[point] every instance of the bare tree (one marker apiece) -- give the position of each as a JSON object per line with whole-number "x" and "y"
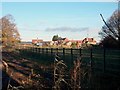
{"x": 10, "y": 34}
{"x": 111, "y": 29}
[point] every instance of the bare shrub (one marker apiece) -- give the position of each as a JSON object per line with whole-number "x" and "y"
{"x": 59, "y": 74}
{"x": 80, "y": 75}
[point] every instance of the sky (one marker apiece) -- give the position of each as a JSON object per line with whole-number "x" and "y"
{"x": 43, "y": 20}
{"x": 59, "y": 0}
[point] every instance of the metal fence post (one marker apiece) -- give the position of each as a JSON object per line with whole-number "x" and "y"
{"x": 42, "y": 50}
{"x": 80, "y": 52}
{"x": 38, "y": 50}
{"x": 51, "y": 53}
{"x": 46, "y": 50}
{"x": 32, "y": 49}
{"x": 104, "y": 60}
{"x": 57, "y": 51}
{"x": 64, "y": 53}
{"x": 91, "y": 57}
{"x": 71, "y": 54}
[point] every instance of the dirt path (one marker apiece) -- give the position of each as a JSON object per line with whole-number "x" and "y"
{"x": 20, "y": 70}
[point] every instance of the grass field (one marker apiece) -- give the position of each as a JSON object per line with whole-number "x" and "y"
{"x": 99, "y": 58}
{"x": 105, "y": 65}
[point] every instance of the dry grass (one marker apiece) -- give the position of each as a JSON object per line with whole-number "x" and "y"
{"x": 59, "y": 73}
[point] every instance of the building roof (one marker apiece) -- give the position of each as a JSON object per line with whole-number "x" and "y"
{"x": 89, "y": 40}
{"x": 36, "y": 40}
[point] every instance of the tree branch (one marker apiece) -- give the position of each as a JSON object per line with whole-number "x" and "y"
{"x": 108, "y": 26}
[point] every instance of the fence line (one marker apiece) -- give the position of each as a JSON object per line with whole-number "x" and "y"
{"x": 98, "y": 58}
